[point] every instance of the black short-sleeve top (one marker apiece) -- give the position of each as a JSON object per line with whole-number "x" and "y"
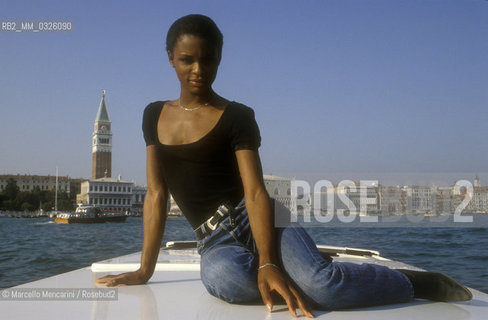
{"x": 204, "y": 174}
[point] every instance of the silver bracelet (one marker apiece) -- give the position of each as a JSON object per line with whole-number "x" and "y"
{"x": 269, "y": 264}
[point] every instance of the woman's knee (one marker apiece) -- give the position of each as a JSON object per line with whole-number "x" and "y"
{"x": 229, "y": 273}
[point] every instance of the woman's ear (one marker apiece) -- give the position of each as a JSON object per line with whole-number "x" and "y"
{"x": 171, "y": 58}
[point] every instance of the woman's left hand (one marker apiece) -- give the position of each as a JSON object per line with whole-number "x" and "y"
{"x": 270, "y": 278}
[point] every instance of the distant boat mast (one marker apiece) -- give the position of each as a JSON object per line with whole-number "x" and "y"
{"x": 56, "y": 192}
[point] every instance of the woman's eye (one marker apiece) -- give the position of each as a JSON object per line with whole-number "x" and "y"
{"x": 208, "y": 60}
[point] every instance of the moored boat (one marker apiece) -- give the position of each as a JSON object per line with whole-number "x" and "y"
{"x": 90, "y": 214}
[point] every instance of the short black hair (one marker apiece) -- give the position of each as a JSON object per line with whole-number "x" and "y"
{"x": 197, "y": 25}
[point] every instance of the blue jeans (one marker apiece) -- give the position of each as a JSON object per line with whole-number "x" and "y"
{"x": 229, "y": 263}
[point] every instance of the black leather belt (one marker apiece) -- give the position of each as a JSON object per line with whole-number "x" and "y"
{"x": 213, "y": 222}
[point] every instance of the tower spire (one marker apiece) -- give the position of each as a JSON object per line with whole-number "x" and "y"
{"x": 102, "y": 114}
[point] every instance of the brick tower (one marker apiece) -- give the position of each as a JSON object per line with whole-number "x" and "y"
{"x": 102, "y": 143}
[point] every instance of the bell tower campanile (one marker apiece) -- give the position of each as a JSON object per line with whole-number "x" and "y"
{"x": 102, "y": 143}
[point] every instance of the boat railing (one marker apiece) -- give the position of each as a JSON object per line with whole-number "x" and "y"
{"x": 329, "y": 250}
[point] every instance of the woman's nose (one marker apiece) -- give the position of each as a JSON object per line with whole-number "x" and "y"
{"x": 197, "y": 68}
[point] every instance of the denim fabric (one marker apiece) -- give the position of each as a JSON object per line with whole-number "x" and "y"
{"x": 229, "y": 265}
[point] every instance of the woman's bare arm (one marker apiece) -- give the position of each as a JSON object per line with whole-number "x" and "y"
{"x": 154, "y": 219}
{"x": 261, "y": 219}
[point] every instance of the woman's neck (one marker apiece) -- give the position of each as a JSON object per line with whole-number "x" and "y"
{"x": 191, "y": 99}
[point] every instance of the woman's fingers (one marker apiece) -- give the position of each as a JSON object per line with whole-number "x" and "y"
{"x": 285, "y": 293}
{"x": 109, "y": 276}
{"x": 266, "y": 296}
{"x": 105, "y": 278}
{"x": 109, "y": 281}
{"x": 120, "y": 279}
{"x": 302, "y": 304}
{"x": 115, "y": 282}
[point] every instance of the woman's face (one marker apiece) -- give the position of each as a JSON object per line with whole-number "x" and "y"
{"x": 195, "y": 63}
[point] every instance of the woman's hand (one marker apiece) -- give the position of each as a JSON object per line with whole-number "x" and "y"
{"x": 270, "y": 278}
{"x": 127, "y": 278}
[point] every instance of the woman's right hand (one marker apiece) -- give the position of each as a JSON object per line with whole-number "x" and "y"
{"x": 126, "y": 278}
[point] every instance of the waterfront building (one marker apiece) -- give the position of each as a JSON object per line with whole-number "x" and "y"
{"x": 137, "y": 201}
{"x": 479, "y": 200}
{"x": 102, "y": 143}
{"x": 420, "y": 199}
{"x": 107, "y": 193}
{"x": 392, "y": 200}
{"x": 279, "y": 188}
{"x": 443, "y": 200}
{"x": 365, "y": 198}
{"x": 29, "y": 182}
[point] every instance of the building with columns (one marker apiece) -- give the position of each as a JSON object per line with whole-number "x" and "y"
{"x": 107, "y": 193}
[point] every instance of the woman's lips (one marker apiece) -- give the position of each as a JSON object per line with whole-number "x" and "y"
{"x": 197, "y": 83}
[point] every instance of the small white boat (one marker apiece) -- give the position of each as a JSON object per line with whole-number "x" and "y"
{"x": 175, "y": 291}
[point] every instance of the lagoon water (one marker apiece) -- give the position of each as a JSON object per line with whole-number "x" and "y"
{"x": 32, "y": 249}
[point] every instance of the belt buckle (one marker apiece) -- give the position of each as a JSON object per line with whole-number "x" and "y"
{"x": 212, "y": 226}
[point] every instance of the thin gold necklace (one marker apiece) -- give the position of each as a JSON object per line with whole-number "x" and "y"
{"x": 191, "y": 109}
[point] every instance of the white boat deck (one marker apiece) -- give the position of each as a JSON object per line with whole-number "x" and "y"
{"x": 176, "y": 292}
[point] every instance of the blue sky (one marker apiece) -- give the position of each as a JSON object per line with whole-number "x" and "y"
{"x": 337, "y": 86}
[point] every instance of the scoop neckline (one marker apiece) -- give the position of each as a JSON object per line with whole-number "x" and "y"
{"x": 196, "y": 141}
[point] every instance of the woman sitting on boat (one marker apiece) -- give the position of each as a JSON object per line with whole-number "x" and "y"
{"x": 204, "y": 149}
